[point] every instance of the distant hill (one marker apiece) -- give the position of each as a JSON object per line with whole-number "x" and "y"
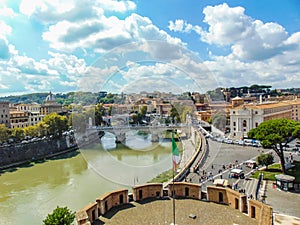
{"x": 26, "y": 98}
{"x": 83, "y": 98}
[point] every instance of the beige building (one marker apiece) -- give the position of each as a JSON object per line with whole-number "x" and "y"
{"x": 4, "y": 114}
{"x": 19, "y": 119}
{"x": 34, "y": 115}
{"x": 245, "y": 117}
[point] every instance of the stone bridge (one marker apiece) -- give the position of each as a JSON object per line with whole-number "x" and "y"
{"x": 155, "y": 131}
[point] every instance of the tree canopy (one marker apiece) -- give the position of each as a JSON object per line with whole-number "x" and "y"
{"x": 275, "y": 134}
{"x": 55, "y": 124}
{"x": 265, "y": 159}
{"x": 60, "y": 216}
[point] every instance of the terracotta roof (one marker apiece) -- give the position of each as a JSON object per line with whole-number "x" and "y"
{"x": 263, "y": 105}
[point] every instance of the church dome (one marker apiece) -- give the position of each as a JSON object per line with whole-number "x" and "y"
{"x": 50, "y": 97}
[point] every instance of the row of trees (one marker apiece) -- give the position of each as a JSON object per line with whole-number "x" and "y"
{"x": 52, "y": 124}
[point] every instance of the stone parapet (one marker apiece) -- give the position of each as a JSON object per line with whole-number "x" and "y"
{"x": 185, "y": 190}
{"x": 220, "y": 195}
{"x": 153, "y": 190}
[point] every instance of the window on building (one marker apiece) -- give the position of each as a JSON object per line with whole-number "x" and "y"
{"x": 256, "y": 124}
{"x": 244, "y": 123}
{"x": 233, "y": 112}
{"x": 256, "y": 112}
{"x": 234, "y": 124}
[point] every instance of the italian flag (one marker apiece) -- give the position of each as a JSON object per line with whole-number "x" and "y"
{"x": 175, "y": 153}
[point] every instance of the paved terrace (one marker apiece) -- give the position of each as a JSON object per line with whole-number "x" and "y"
{"x": 160, "y": 212}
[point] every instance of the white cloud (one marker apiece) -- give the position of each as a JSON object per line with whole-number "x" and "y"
{"x": 117, "y": 6}
{"x": 180, "y": 26}
{"x": 140, "y": 65}
{"x": 7, "y": 12}
{"x": 24, "y": 74}
{"x": 229, "y": 26}
{"x": 261, "y": 52}
{"x": 53, "y": 11}
{"x": 4, "y": 29}
{"x": 104, "y": 33}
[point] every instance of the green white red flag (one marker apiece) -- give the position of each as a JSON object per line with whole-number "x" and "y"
{"x": 175, "y": 153}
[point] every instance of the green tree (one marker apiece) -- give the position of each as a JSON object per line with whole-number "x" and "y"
{"x": 41, "y": 129}
{"x": 18, "y": 134}
{"x": 143, "y": 111}
{"x": 265, "y": 159}
{"x": 99, "y": 113}
{"x": 60, "y": 216}
{"x": 134, "y": 119}
{"x": 4, "y": 133}
{"x": 275, "y": 134}
{"x": 55, "y": 124}
{"x": 31, "y": 131}
{"x": 175, "y": 115}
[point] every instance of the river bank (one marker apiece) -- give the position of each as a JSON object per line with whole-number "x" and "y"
{"x": 24, "y": 153}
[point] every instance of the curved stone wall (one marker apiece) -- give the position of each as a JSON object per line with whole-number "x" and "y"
{"x": 228, "y": 197}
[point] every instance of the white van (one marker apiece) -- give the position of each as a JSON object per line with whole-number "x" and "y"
{"x": 236, "y": 173}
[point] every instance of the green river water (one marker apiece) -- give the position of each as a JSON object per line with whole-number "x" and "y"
{"x": 29, "y": 193}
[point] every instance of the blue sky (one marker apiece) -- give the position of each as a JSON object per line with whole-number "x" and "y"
{"x": 133, "y": 46}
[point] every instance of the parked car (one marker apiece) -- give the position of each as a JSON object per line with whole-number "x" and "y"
{"x": 229, "y": 141}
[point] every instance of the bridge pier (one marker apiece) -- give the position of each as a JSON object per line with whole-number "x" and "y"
{"x": 120, "y": 137}
{"x": 154, "y": 137}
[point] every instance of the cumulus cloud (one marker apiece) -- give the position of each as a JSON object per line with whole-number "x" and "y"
{"x": 23, "y": 74}
{"x": 140, "y": 66}
{"x": 7, "y": 12}
{"x": 180, "y": 26}
{"x": 249, "y": 39}
{"x": 53, "y": 11}
{"x": 104, "y": 33}
{"x": 117, "y": 6}
{"x": 5, "y": 30}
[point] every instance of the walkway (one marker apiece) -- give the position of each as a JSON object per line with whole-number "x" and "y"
{"x": 187, "y": 153}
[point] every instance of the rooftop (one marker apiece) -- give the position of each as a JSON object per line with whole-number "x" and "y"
{"x": 161, "y": 212}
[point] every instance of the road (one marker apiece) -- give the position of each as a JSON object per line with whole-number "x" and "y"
{"x": 221, "y": 159}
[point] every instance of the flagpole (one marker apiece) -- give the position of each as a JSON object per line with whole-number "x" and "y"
{"x": 173, "y": 199}
{"x": 173, "y": 192}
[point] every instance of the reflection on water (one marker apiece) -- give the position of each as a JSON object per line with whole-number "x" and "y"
{"x": 29, "y": 193}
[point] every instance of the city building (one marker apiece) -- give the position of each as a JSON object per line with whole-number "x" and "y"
{"x": 4, "y": 114}
{"x": 34, "y": 115}
{"x": 245, "y": 117}
{"x": 19, "y": 119}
